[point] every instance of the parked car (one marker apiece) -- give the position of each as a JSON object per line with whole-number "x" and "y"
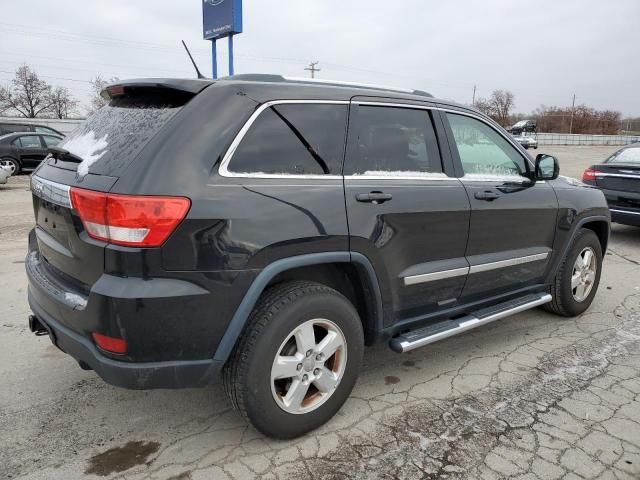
{"x": 523, "y": 126}
{"x": 5, "y": 173}
{"x": 6, "y": 128}
{"x": 24, "y": 151}
{"x": 266, "y": 245}
{"x": 526, "y": 141}
{"x": 619, "y": 178}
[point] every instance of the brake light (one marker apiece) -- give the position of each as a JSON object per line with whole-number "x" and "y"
{"x": 110, "y": 344}
{"x": 589, "y": 175}
{"x": 129, "y": 220}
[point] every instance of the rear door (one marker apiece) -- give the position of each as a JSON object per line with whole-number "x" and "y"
{"x": 32, "y": 150}
{"x": 406, "y": 211}
{"x": 513, "y": 220}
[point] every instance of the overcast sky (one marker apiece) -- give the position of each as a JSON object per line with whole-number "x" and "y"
{"x": 544, "y": 51}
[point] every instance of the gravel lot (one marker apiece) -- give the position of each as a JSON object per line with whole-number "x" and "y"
{"x": 533, "y": 396}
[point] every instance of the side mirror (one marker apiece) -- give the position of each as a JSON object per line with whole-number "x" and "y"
{"x": 547, "y": 167}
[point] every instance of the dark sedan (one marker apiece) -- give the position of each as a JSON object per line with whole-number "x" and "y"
{"x": 619, "y": 179}
{"x": 24, "y": 151}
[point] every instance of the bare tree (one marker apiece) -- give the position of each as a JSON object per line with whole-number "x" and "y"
{"x": 98, "y": 84}
{"x": 502, "y": 101}
{"x": 4, "y": 99}
{"x": 28, "y": 94}
{"x": 498, "y": 106}
{"x": 62, "y": 103}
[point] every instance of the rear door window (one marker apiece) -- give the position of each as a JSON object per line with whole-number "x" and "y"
{"x": 393, "y": 141}
{"x": 114, "y": 135}
{"x": 293, "y": 139}
{"x": 30, "y": 141}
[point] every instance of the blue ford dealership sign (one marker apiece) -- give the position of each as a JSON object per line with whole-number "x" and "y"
{"x": 221, "y": 18}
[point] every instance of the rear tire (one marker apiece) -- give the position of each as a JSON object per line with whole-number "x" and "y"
{"x": 14, "y": 165}
{"x": 576, "y": 284}
{"x": 278, "y": 376}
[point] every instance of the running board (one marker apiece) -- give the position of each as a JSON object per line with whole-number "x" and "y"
{"x": 449, "y": 328}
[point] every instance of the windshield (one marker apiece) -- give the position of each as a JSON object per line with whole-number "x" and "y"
{"x": 627, "y": 155}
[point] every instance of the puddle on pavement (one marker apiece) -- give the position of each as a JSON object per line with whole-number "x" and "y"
{"x": 119, "y": 459}
{"x": 409, "y": 363}
{"x": 391, "y": 380}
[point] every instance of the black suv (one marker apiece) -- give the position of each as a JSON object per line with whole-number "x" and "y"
{"x": 262, "y": 231}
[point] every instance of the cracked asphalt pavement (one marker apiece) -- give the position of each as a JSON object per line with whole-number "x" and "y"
{"x": 533, "y": 396}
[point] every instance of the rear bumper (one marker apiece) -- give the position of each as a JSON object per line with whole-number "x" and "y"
{"x": 624, "y": 216}
{"x": 143, "y": 375}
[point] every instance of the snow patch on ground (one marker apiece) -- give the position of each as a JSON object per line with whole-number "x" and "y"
{"x": 87, "y": 147}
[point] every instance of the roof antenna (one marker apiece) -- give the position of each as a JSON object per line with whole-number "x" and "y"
{"x": 192, "y": 60}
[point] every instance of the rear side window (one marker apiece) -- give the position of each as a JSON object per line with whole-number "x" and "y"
{"x": 30, "y": 141}
{"x": 298, "y": 139}
{"x": 11, "y": 128}
{"x": 51, "y": 141}
{"x": 390, "y": 141}
{"x": 45, "y": 130}
{"x": 114, "y": 135}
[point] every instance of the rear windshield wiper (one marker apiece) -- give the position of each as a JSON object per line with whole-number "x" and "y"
{"x": 62, "y": 154}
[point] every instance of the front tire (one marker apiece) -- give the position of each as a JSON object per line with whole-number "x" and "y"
{"x": 14, "y": 165}
{"x": 297, "y": 360}
{"x": 578, "y": 277}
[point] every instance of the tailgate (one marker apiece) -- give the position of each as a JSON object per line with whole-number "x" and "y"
{"x": 102, "y": 148}
{"x": 66, "y": 252}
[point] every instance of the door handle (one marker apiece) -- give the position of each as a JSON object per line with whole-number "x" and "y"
{"x": 374, "y": 197}
{"x": 487, "y": 195}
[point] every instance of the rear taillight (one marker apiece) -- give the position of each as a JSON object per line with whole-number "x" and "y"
{"x": 110, "y": 344}
{"x": 589, "y": 175}
{"x": 130, "y": 220}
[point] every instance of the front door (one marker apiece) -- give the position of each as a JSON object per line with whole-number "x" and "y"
{"x": 513, "y": 220}
{"x": 406, "y": 210}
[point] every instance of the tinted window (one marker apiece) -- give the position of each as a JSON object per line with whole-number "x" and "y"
{"x": 45, "y": 130}
{"x": 483, "y": 151}
{"x": 30, "y": 141}
{"x": 51, "y": 141}
{"x": 11, "y": 128}
{"x": 390, "y": 140}
{"x": 305, "y": 139}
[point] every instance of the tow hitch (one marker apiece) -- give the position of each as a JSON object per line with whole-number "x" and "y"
{"x": 36, "y": 327}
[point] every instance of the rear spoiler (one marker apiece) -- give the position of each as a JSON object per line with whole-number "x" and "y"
{"x": 189, "y": 86}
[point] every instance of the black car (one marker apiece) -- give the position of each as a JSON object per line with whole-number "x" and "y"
{"x": 261, "y": 231}
{"x": 12, "y": 127}
{"x": 24, "y": 151}
{"x": 619, "y": 178}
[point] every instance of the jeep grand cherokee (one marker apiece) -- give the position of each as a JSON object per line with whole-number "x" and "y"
{"x": 261, "y": 231}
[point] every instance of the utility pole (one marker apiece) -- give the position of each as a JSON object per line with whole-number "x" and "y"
{"x": 473, "y": 102}
{"x": 573, "y": 109}
{"x": 312, "y": 68}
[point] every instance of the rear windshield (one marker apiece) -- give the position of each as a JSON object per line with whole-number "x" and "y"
{"x": 628, "y": 155}
{"x": 112, "y": 137}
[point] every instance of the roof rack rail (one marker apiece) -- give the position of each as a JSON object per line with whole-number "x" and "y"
{"x": 262, "y": 77}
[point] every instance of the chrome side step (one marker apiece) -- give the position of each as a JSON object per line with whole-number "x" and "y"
{"x": 449, "y": 328}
